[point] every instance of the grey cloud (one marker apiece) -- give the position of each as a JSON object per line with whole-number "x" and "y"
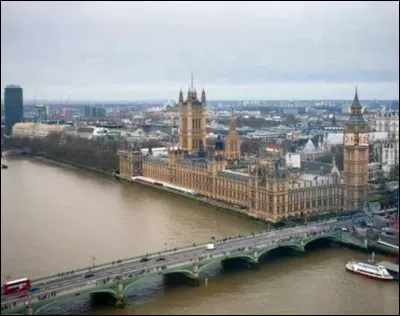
{"x": 83, "y": 49}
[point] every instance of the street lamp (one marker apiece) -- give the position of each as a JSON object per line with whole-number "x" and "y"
{"x": 93, "y": 261}
{"x": 165, "y": 245}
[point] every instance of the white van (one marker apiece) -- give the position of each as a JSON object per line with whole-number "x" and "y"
{"x": 210, "y": 247}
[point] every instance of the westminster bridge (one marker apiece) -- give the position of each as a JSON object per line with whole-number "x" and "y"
{"x": 115, "y": 278}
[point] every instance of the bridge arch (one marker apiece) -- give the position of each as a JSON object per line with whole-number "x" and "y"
{"x": 110, "y": 292}
{"x": 37, "y": 310}
{"x": 41, "y": 307}
{"x": 186, "y": 272}
{"x": 267, "y": 249}
{"x": 309, "y": 241}
{"x": 135, "y": 280}
{"x": 244, "y": 256}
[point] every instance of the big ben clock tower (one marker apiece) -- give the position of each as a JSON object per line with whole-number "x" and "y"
{"x": 356, "y": 159}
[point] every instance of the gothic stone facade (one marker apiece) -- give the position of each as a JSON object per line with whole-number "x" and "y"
{"x": 263, "y": 193}
{"x": 266, "y": 190}
{"x": 356, "y": 158}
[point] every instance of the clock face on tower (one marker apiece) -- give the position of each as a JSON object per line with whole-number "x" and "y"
{"x": 356, "y": 139}
{"x": 349, "y": 139}
{"x": 363, "y": 139}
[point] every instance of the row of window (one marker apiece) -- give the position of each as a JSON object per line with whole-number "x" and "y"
{"x": 268, "y": 207}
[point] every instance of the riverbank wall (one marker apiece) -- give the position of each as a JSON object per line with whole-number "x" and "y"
{"x": 219, "y": 206}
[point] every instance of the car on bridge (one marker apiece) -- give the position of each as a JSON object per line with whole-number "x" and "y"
{"x": 160, "y": 259}
{"x": 89, "y": 275}
{"x": 144, "y": 259}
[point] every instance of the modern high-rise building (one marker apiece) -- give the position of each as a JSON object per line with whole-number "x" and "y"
{"x": 13, "y": 107}
{"x": 94, "y": 111}
{"x": 42, "y": 112}
{"x": 88, "y": 111}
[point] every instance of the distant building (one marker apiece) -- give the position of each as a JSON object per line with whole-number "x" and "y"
{"x": 293, "y": 160}
{"x": 311, "y": 152}
{"x": 293, "y": 111}
{"x": 94, "y": 111}
{"x": 13, "y": 106}
{"x": 100, "y": 111}
{"x": 34, "y": 130}
{"x": 42, "y": 112}
{"x": 88, "y": 111}
{"x": 346, "y": 108}
{"x": 389, "y": 123}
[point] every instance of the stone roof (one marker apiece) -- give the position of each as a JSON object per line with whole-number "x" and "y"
{"x": 316, "y": 167}
{"x": 309, "y": 147}
{"x": 356, "y": 118}
{"x": 234, "y": 175}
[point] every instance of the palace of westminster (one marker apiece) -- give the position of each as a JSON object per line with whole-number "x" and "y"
{"x": 265, "y": 187}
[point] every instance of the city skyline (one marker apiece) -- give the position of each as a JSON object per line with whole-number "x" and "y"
{"x": 145, "y": 51}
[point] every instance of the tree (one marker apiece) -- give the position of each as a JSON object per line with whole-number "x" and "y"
{"x": 101, "y": 155}
{"x": 290, "y": 120}
{"x": 339, "y": 158}
{"x": 250, "y": 146}
{"x": 336, "y": 151}
{"x": 394, "y": 173}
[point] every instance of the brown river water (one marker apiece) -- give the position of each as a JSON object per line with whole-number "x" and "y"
{"x": 56, "y": 218}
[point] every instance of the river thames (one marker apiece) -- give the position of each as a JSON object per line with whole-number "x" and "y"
{"x": 56, "y": 218}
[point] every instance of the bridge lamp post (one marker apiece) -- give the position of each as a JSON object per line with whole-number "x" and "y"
{"x": 28, "y": 302}
{"x": 165, "y": 245}
{"x": 93, "y": 261}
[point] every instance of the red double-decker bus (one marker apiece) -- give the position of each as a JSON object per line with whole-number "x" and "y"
{"x": 16, "y": 286}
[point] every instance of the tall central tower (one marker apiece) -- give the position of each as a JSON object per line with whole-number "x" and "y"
{"x": 356, "y": 159}
{"x": 232, "y": 141}
{"x": 192, "y": 120}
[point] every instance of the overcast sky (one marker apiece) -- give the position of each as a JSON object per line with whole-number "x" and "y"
{"x": 146, "y": 50}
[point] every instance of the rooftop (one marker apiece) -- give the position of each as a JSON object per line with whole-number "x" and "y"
{"x": 13, "y": 86}
{"x": 309, "y": 147}
{"x": 316, "y": 167}
{"x": 41, "y": 127}
{"x": 310, "y": 180}
{"x": 390, "y": 266}
{"x": 235, "y": 175}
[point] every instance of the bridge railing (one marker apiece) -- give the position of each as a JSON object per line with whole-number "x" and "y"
{"x": 102, "y": 265}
